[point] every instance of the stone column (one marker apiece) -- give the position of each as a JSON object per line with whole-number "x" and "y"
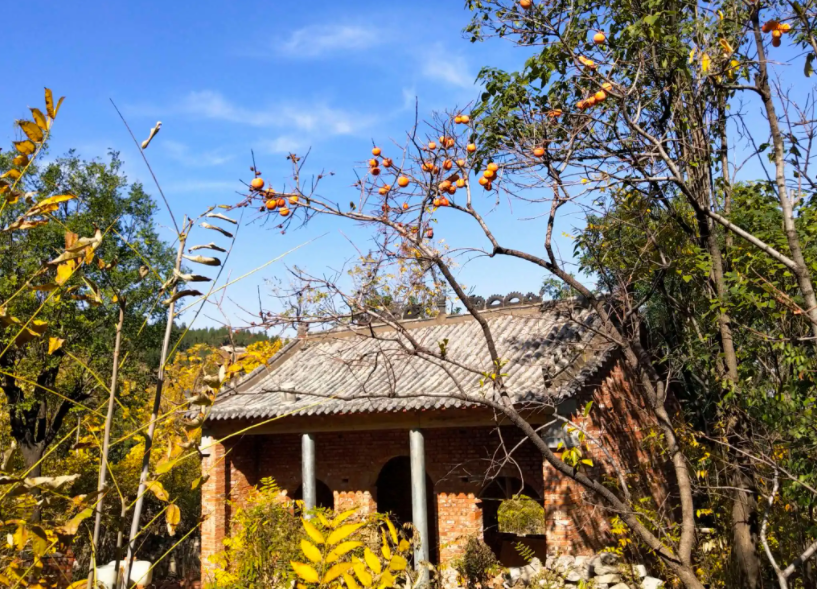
{"x": 419, "y": 507}
{"x": 308, "y": 485}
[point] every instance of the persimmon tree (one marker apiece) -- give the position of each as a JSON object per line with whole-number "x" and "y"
{"x": 633, "y": 114}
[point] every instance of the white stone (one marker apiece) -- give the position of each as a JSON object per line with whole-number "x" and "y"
{"x": 605, "y": 569}
{"x": 640, "y": 570}
{"x": 609, "y": 579}
{"x": 620, "y": 586}
{"x": 576, "y": 574}
{"x": 564, "y": 563}
{"x": 651, "y": 583}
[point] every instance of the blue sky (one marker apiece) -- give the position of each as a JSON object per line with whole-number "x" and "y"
{"x": 228, "y": 77}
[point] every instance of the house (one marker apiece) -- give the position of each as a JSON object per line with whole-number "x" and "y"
{"x": 360, "y": 418}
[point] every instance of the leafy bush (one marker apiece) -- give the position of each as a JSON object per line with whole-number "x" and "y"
{"x": 265, "y": 538}
{"x": 521, "y": 515}
{"x": 477, "y": 565}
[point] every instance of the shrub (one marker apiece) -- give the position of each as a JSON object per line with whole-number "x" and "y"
{"x": 477, "y": 565}
{"x": 264, "y": 539}
{"x": 521, "y": 515}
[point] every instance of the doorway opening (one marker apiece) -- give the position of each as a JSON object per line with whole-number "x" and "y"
{"x": 393, "y": 488}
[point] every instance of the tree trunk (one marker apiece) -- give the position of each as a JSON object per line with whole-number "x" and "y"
{"x": 745, "y": 559}
{"x": 32, "y": 457}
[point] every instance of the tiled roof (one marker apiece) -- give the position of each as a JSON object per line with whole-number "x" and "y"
{"x": 352, "y": 371}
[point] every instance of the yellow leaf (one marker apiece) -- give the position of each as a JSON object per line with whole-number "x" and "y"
{"x": 313, "y": 532}
{"x": 311, "y": 551}
{"x": 404, "y": 545}
{"x": 350, "y": 581}
{"x": 705, "y": 62}
{"x": 392, "y": 530}
{"x": 727, "y": 48}
{"x": 25, "y": 147}
{"x": 398, "y": 563}
{"x": 323, "y": 520}
{"x": 70, "y": 528}
{"x": 387, "y": 580}
{"x": 49, "y": 103}
{"x": 304, "y": 571}
{"x": 362, "y": 574}
{"x": 158, "y": 490}
{"x": 59, "y": 104}
{"x": 54, "y": 344}
{"x": 39, "y": 118}
{"x": 385, "y": 549}
{"x": 336, "y": 571}
{"x": 342, "y": 549}
{"x": 372, "y": 561}
{"x": 342, "y": 533}
{"x": 173, "y": 516}
{"x": 31, "y": 130}
{"x": 53, "y": 200}
{"x": 13, "y": 173}
{"x": 342, "y": 516}
{"x": 64, "y": 272}
{"x": 692, "y": 54}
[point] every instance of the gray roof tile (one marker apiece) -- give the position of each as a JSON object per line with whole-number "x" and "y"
{"x": 349, "y": 371}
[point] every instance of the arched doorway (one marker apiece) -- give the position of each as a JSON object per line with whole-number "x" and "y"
{"x": 512, "y": 512}
{"x": 323, "y": 495}
{"x": 393, "y": 489}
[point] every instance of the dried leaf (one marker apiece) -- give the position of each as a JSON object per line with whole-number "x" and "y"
{"x": 51, "y": 483}
{"x": 31, "y": 130}
{"x": 203, "y": 260}
{"x": 70, "y": 528}
{"x": 222, "y": 217}
{"x": 54, "y": 344}
{"x": 39, "y": 118}
{"x": 209, "y": 246}
{"x": 181, "y": 294}
{"x": 49, "y": 103}
{"x": 158, "y": 490}
{"x": 219, "y": 229}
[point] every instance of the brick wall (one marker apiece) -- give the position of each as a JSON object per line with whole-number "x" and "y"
{"x": 456, "y": 461}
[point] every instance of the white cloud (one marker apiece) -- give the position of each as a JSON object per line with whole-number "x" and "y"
{"x": 182, "y": 154}
{"x": 284, "y": 144}
{"x": 316, "y": 40}
{"x": 444, "y": 66}
{"x": 304, "y": 117}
